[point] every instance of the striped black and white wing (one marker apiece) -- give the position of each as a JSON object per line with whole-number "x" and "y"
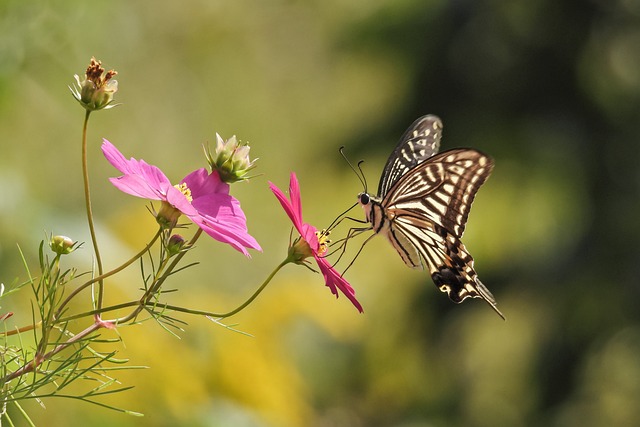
{"x": 427, "y": 209}
{"x": 419, "y": 142}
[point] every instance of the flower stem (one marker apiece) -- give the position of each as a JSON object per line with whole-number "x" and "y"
{"x": 236, "y": 310}
{"x": 101, "y": 311}
{"x": 146, "y": 302}
{"x": 104, "y": 276}
{"x": 157, "y": 283}
{"x": 21, "y": 330}
{"x": 87, "y": 201}
{"x": 247, "y": 302}
{"x": 32, "y": 365}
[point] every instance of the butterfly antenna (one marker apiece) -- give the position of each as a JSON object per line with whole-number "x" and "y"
{"x": 364, "y": 178}
{"x": 358, "y": 172}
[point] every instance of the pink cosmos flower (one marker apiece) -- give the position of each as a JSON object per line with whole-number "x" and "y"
{"x": 200, "y": 196}
{"x": 316, "y": 244}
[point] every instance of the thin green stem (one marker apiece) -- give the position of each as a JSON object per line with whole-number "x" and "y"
{"x": 33, "y": 364}
{"x": 247, "y": 302}
{"x": 145, "y": 301}
{"x": 49, "y": 285}
{"x": 141, "y": 304}
{"x": 105, "y": 275}
{"x": 20, "y": 330}
{"x": 101, "y": 311}
{"x": 87, "y": 201}
{"x": 157, "y": 283}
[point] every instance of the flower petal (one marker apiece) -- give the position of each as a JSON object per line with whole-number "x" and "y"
{"x": 294, "y": 194}
{"x": 140, "y": 179}
{"x": 180, "y": 201}
{"x": 135, "y": 186}
{"x": 334, "y": 280}
{"x": 236, "y": 239}
{"x": 296, "y": 219}
{"x": 202, "y": 183}
{"x": 220, "y": 216}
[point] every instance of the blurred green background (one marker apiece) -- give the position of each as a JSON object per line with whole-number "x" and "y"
{"x": 551, "y": 89}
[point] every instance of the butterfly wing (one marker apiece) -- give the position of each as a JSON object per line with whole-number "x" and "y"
{"x": 441, "y": 189}
{"x": 419, "y": 142}
{"x": 427, "y": 209}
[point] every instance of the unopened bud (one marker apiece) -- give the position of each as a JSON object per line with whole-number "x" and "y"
{"x": 175, "y": 245}
{"x": 62, "y": 245}
{"x": 231, "y": 159}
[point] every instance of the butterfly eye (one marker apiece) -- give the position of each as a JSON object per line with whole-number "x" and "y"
{"x": 364, "y": 198}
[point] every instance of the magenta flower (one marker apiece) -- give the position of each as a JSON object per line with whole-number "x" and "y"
{"x": 313, "y": 242}
{"x": 200, "y": 196}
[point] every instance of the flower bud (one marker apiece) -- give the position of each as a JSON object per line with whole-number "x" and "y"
{"x": 96, "y": 91}
{"x": 62, "y": 245}
{"x": 175, "y": 244}
{"x": 231, "y": 159}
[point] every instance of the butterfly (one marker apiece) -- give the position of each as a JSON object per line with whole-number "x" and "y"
{"x": 423, "y": 204}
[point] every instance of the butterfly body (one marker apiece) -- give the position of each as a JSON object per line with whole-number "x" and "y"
{"x": 423, "y": 204}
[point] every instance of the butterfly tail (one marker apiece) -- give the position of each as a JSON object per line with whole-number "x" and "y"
{"x": 462, "y": 284}
{"x": 488, "y": 297}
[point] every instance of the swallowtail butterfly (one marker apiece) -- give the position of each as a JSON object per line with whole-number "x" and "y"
{"x": 422, "y": 207}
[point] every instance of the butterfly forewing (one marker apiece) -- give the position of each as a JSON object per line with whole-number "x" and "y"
{"x": 419, "y": 142}
{"x": 441, "y": 189}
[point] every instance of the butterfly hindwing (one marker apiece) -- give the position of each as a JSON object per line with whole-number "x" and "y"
{"x": 447, "y": 260}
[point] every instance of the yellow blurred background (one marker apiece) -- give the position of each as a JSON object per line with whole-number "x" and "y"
{"x": 551, "y": 89}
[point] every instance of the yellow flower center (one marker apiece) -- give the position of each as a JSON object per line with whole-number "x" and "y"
{"x": 323, "y": 241}
{"x": 184, "y": 190}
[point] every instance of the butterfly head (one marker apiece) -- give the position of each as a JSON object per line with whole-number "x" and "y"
{"x": 371, "y": 206}
{"x": 364, "y": 199}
